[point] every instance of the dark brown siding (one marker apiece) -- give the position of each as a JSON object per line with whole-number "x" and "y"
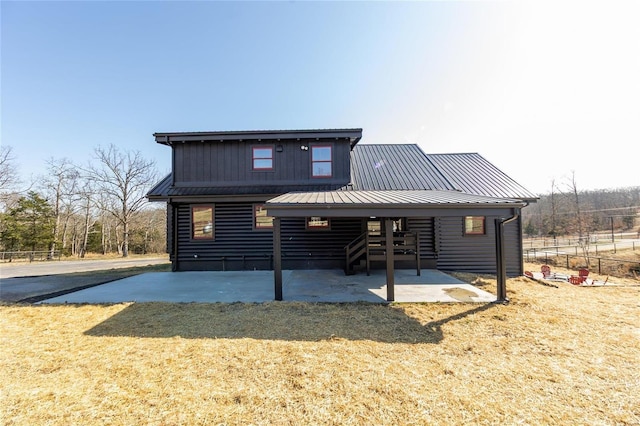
{"x": 476, "y": 253}
{"x": 230, "y": 163}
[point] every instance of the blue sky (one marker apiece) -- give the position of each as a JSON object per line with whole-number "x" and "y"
{"x": 541, "y": 89}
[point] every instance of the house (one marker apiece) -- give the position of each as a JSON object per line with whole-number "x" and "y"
{"x": 313, "y": 199}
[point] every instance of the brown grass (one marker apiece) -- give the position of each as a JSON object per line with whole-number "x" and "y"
{"x": 566, "y": 355}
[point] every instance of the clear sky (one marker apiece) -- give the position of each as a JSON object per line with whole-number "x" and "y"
{"x": 540, "y": 89}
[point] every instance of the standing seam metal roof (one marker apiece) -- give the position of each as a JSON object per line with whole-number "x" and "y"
{"x": 391, "y": 167}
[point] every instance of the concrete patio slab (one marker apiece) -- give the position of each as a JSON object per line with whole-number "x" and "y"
{"x": 258, "y": 287}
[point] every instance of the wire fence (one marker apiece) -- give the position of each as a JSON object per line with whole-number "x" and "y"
{"x": 29, "y": 256}
{"x": 573, "y": 258}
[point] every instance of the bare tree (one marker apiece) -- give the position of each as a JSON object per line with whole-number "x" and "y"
{"x": 124, "y": 176}
{"x": 86, "y": 198}
{"x": 60, "y": 184}
{"x": 8, "y": 170}
{"x": 9, "y": 176}
{"x": 580, "y": 220}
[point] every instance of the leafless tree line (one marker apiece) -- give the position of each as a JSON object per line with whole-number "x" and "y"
{"x": 569, "y": 211}
{"x": 95, "y": 207}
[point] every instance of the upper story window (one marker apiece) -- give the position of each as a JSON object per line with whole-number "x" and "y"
{"x": 321, "y": 161}
{"x": 262, "y": 157}
{"x": 202, "y": 222}
{"x": 474, "y": 225}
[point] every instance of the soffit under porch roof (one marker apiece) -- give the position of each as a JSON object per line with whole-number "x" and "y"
{"x": 403, "y": 203}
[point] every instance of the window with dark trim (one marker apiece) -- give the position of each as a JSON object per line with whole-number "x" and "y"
{"x": 202, "y": 222}
{"x": 474, "y": 225}
{"x": 260, "y": 218}
{"x": 317, "y": 222}
{"x": 262, "y": 157}
{"x": 321, "y": 161}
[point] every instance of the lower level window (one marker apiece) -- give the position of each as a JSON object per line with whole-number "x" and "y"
{"x": 202, "y": 222}
{"x": 474, "y": 225}
{"x": 317, "y": 222}
{"x": 260, "y": 218}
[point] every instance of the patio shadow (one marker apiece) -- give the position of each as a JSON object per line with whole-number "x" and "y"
{"x": 290, "y": 321}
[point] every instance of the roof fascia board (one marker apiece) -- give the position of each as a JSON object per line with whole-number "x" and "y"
{"x": 354, "y": 135}
{"x": 250, "y": 198}
{"x": 387, "y": 211}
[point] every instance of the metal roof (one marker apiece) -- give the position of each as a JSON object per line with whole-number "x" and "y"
{"x": 161, "y": 190}
{"x": 394, "y": 167}
{"x": 387, "y": 167}
{"x": 384, "y": 203}
{"x": 406, "y": 166}
{"x": 246, "y": 189}
{"x": 354, "y": 135}
{"x": 472, "y": 174}
{"x": 394, "y": 198}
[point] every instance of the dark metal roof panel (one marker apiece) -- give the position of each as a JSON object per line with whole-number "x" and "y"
{"x": 245, "y": 190}
{"x": 160, "y": 192}
{"x": 391, "y": 198}
{"x": 394, "y": 167}
{"x": 473, "y": 174}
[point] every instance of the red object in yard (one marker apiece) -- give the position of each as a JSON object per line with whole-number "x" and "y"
{"x": 580, "y": 278}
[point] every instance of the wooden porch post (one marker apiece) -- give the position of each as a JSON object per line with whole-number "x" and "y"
{"x": 277, "y": 258}
{"x": 390, "y": 262}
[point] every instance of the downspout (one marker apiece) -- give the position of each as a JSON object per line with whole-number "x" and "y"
{"x": 501, "y": 264}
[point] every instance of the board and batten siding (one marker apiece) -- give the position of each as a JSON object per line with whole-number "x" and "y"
{"x": 476, "y": 253}
{"x": 229, "y": 163}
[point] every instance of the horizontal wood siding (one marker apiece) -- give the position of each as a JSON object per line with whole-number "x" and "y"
{"x": 302, "y": 244}
{"x": 230, "y": 163}
{"x": 238, "y": 246}
{"x": 476, "y": 253}
{"x": 170, "y": 230}
{"x": 424, "y": 227}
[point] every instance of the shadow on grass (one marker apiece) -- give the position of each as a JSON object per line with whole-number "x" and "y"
{"x": 276, "y": 321}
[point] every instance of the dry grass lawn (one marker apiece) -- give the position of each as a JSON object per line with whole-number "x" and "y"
{"x": 565, "y": 355}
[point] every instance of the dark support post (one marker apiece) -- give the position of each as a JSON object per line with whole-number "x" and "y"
{"x": 277, "y": 258}
{"x": 390, "y": 262}
{"x": 501, "y": 267}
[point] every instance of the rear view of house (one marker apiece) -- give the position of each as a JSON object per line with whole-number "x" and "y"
{"x": 313, "y": 199}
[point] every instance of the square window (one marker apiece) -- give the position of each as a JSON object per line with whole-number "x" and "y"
{"x": 202, "y": 222}
{"x": 262, "y": 157}
{"x": 317, "y": 222}
{"x": 321, "y": 161}
{"x": 474, "y": 225}
{"x": 260, "y": 218}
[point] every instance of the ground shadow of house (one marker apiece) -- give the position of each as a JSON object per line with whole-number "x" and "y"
{"x": 270, "y": 321}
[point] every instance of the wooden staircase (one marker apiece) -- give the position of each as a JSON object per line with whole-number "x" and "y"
{"x": 367, "y": 248}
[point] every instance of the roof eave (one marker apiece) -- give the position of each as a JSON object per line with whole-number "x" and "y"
{"x": 353, "y": 135}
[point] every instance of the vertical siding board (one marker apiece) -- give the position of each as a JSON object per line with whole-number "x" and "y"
{"x": 221, "y": 163}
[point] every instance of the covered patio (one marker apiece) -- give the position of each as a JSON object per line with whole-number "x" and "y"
{"x": 389, "y": 205}
{"x": 325, "y": 286}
